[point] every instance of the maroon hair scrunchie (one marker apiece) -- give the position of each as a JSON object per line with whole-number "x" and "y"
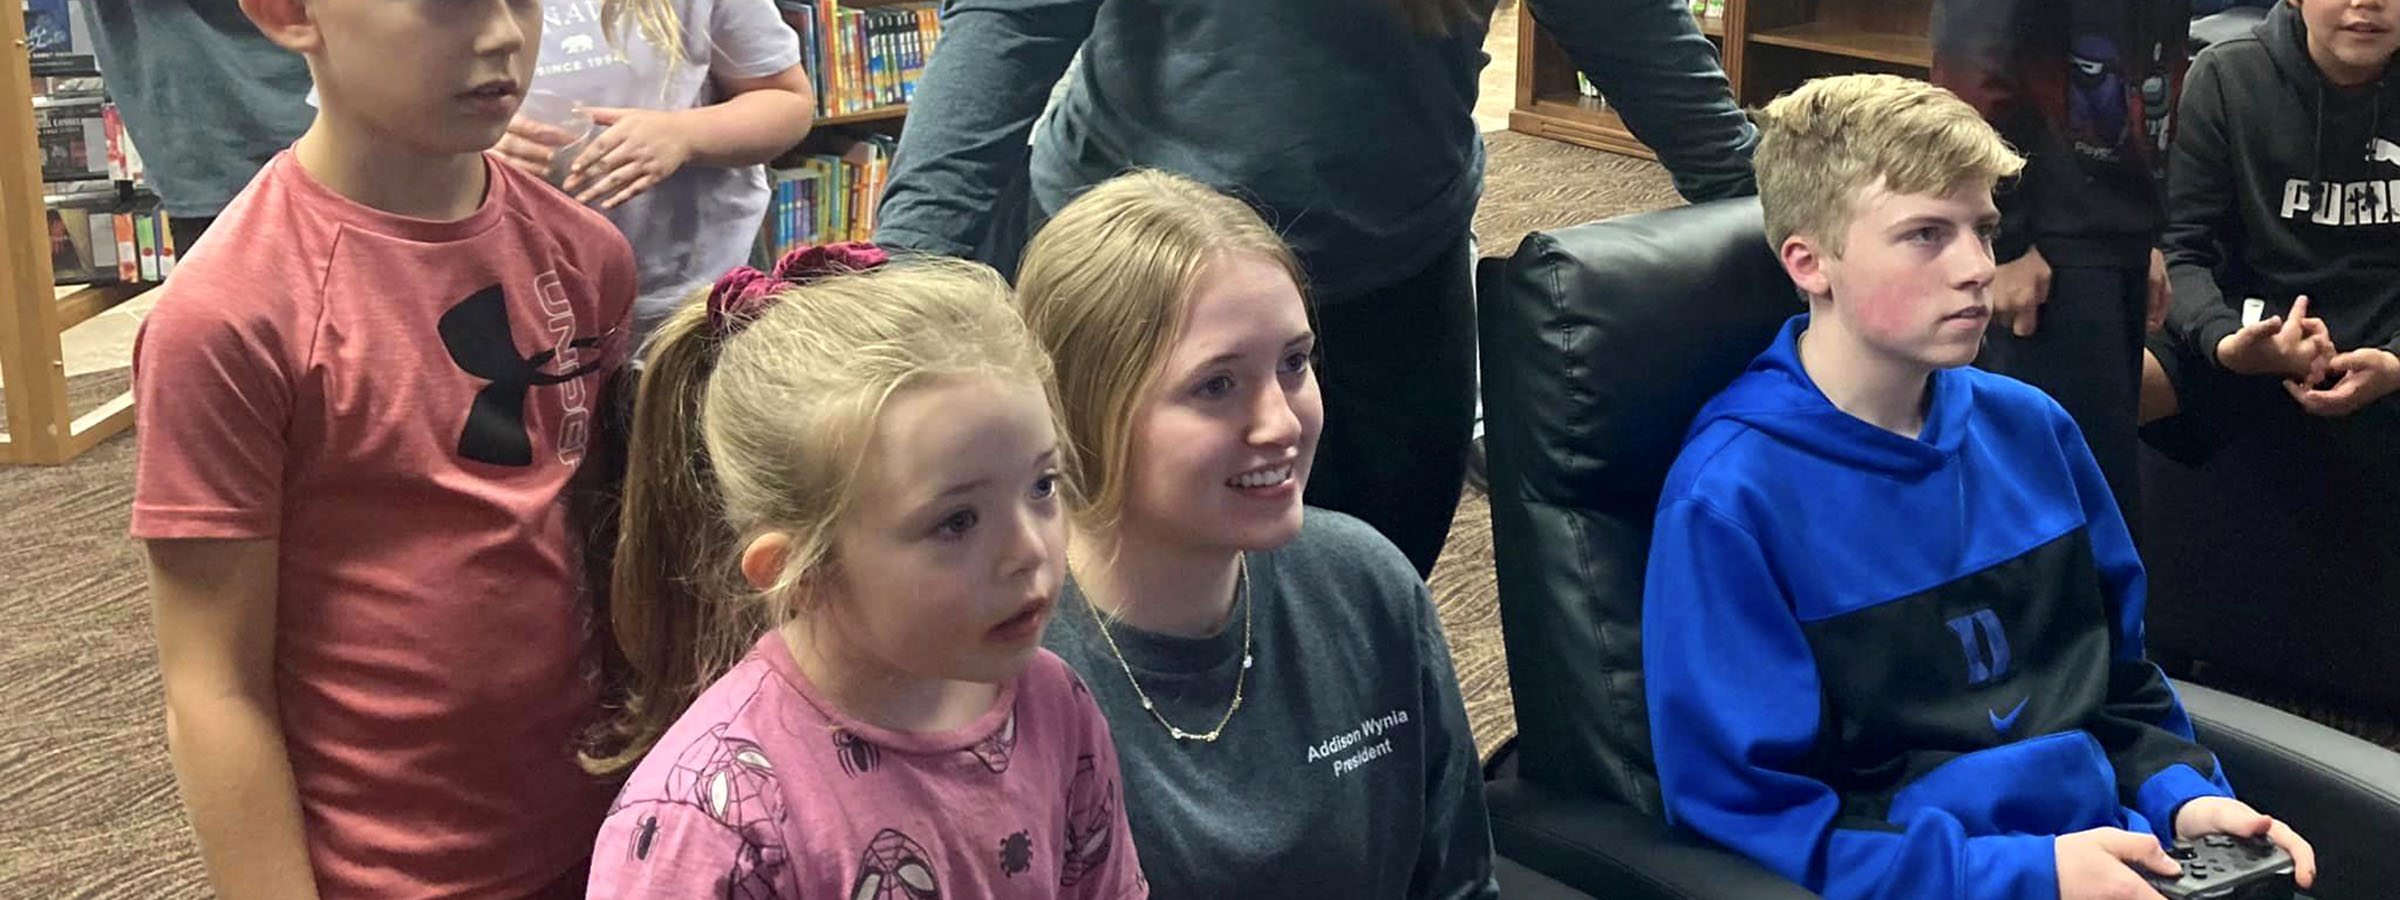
{"x": 743, "y": 293}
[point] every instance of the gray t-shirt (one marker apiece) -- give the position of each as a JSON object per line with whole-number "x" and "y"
{"x": 166, "y": 62}
{"x": 1347, "y": 772}
{"x": 1355, "y": 136}
{"x": 702, "y": 220}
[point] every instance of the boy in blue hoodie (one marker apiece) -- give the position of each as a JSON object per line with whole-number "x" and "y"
{"x": 1893, "y": 619}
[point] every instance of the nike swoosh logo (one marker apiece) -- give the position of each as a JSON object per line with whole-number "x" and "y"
{"x": 2000, "y": 723}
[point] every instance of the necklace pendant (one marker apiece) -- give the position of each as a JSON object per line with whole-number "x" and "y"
{"x": 1211, "y": 737}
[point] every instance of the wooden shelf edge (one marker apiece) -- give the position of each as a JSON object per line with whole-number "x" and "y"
{"x": 1897, "y": 49}
{"x": 878, "y": 114}
{"x": 91, "y": 300}
{"x": 107, "y": 421}
{"x": 1585, "y": 130}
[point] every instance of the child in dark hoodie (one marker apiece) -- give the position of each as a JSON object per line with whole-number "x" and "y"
{"x": 2285, "y": 188}
{"x": 1860, "y": 529}
{"x": 2298, "y": 202}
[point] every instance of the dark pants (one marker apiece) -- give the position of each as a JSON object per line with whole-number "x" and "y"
{"x": 186, "y": 231}
{"x": 1398, "y": 377}
{"x": 2087, "y": 355}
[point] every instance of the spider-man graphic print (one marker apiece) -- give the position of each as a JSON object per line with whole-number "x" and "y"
{"x": 765, "y": 790}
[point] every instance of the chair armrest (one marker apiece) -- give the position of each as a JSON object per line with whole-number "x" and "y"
{"x": 2340, "y": 792}
{"x": 1607, "y": 849}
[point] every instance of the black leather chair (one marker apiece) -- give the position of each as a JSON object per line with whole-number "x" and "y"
{"x": 1600, "y": 342}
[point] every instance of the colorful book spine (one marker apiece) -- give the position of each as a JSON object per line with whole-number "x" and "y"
{"x": 145, "y": 241}
{"x": 129, "y": 258}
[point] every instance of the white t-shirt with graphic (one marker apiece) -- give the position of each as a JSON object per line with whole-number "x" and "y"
{"x": 687, "y": 230}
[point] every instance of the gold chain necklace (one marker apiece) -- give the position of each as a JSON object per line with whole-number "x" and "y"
{"x": 1242, "y": 563}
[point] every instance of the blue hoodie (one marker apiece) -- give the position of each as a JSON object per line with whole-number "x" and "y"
{"x": 1896, "y": 668}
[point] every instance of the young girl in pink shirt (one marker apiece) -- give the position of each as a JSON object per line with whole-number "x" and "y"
{"x": 851, "y": 471}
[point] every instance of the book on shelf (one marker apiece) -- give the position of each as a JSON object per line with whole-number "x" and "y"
{"x": 72, "y": 135}
{"x": 82, "y": 136}
{"x": 55, "y": 28}
{"x": 862, "y": 59}
{"x": 103, "y": 224}
{"x": 827, "y": 197}
{"x": 99, "y": 236}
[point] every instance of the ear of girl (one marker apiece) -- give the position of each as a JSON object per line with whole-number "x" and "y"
{"x": 1276, "y": 675}
{"x": 874, "y": 686}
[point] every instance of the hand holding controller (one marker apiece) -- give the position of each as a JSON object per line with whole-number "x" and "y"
{"x": 2224, "y": 867}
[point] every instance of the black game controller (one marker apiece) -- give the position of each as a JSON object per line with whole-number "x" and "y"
{"x": 2224, "y": 867}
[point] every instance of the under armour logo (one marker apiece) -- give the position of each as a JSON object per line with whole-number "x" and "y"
{"x": 1986, "y": 646}
{"x": 481, "y": 342}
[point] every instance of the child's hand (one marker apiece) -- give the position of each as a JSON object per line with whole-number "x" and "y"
{"x": 2100, "y": 864}
{"x": 640, "y": 149}
{"x": 530, "y": 146}
{"x": 2294, "y": 346}
{"x": 2225, "y": 815}
{"x": 2367, "y": 375}
{"x": 2018, "y": 291}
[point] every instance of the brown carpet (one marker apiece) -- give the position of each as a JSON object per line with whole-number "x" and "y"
{"x": 84, "y": 780}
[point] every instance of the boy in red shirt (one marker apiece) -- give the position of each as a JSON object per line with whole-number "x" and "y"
{"x": 360, "y": 406}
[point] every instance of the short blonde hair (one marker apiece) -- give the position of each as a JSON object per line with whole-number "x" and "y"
{"x": 1105, "y": 286}
{"x": 766, "y": 430}
{"x": 1821, "y": 146}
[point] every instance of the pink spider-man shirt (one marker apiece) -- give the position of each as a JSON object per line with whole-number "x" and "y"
{"x": 764, "y": 790}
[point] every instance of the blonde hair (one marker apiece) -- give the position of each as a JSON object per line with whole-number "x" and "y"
{"x": 1820, "y": 146}
{"x": 766, "y": 431}
{"x": 657, "y": 20}
{"x": 1105, "y": 286}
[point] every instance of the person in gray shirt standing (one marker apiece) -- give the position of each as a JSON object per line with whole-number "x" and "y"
{"x": 205, "y": 97}
{"x": 1348, "y": 123}
{"x": 1274, "y": 676}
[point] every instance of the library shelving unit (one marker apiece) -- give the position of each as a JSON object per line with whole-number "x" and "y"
{"x": 1767, "y": 47}
{"x": 42, "y": 428}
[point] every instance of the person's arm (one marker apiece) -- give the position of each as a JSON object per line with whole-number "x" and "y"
{"x": 2202, "y": 219}
{"x": 213, "y": 400}
{"x": 1734, "y": 709}
{"x": 1455, "y": 857}
{"x": 1663, "y": 77}
{"x": 2140, "y": 725}
{"x": 213, "y": 610}
{"x": 971, "y": 116}
{"x": 768, "y": 107}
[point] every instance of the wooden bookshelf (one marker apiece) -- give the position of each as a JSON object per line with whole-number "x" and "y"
{"x": 42, "y": 427}
{"x": 1844, "y": 41}
{"x": 1767, "y": 47}
{"x": 879, "y": 114}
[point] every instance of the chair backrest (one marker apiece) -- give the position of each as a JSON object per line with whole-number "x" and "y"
{"x": 1600, "y": 344}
